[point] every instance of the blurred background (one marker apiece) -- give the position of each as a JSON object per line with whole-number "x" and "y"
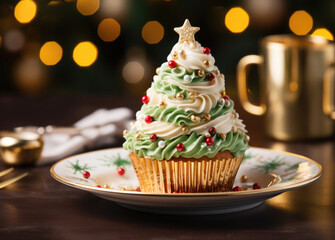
{"x": 112, "y": 47}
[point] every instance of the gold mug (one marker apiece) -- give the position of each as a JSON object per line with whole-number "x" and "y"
{"x": 296, "y": 86}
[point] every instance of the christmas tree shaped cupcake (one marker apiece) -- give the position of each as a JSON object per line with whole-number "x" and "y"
{"x": 187, "y": 136}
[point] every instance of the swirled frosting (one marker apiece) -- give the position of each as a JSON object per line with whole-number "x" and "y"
{"x": 194, "y": 57}
{"x": 186, "y": 112}
{"x": 195, "y": 145}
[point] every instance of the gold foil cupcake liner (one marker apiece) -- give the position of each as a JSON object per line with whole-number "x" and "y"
{"x": 185, "y": 176}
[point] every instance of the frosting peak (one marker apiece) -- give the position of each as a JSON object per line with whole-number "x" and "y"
{"x": 191, "y": 57}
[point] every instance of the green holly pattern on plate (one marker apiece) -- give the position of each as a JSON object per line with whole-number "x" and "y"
{"x": 257, "y": 164}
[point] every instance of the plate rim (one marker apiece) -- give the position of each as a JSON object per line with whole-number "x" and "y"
{"x": 273, "y": 189}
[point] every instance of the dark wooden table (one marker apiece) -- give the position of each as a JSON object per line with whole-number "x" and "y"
{"x": 38, "y": 207}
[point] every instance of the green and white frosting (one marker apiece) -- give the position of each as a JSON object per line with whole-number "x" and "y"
{"x": 172, "y": 121}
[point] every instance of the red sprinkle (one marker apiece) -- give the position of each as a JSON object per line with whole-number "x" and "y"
{"x": 180, "y": 147}
{"x": 206, "y": 50}
{"x": 256, "y": 186}
{"x": 86, "y": 174}
{"x": 226, "y": 98}
{"x": 211, "y": 76}
{"x": 237, "y": 189}
{"x": 212, "y": 131}
{"x": 145, "y": 99}
{"x": 153, "y": 137}
{"x": 148, "y": 119}
{"x": 172, "y": 64}
{"x": 120, "y": 171}
{"x": 209, "y": 141}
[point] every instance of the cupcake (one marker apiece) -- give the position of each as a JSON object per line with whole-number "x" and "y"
{"x": 187, "y": 137}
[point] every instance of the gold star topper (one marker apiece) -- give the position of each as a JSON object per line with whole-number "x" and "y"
{"x": 186, "y": 32}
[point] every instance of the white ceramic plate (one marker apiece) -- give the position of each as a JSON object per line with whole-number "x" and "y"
{"x": 275, "y": 171}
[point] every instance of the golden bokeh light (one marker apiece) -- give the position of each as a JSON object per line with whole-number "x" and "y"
{"x": 51, "y": 53}
{"x": 88, "y": 7}
{"x": 133, "y": 72}
{"x": 25, "y": 11}
{"x": 85, "y": 54}
{"x": 323, "y": 32}
{"x": 54, "y": 2}
{"x": 237, "y": 20}
{"x": 152, "y": 32}
{"x": 301, "y": 22}
{"x": 109, "y": 30}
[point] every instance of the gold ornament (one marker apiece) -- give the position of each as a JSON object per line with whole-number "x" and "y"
{"x": 246, "y": 138}
{"x": 125, "y": 132}
{"x": 192, "y": 95}
{"x": 174, "y": 55}
{"x": 244, "y": 178}
{"x": 182, "y": 54}
{"x": 186, "y": 32}
{"x": 201, "y": 73}
{"x": 207, "y": 117}
{"x": 223, "y": 136}
{"x": 223, "y": 93}
{"x": 206, "y": 63}
{"x": 180, "y": 96}
{"x": 233, "y": 114}
{"x": 195, "y": 118}
{"x": 158, "y": 70}
{"x": 138, "y": 136}
{"x": 162, "y": 104}
{"x": 106, "y": 186}
{"x": 184, "y": 129}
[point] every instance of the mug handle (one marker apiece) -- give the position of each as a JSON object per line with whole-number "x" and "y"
{"x": 242, "y": 69}
{"x": 328, "y": 93}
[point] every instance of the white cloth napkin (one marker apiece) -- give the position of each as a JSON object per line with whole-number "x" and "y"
{"x": 102, "y": 127}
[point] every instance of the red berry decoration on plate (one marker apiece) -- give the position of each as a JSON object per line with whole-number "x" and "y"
{"x": 120, "y": 171}
{"x": 148, "y": 119}
{"x": 145, "y": 99}
{"x": 256, "y": 186}
{"x": 212, "y": 131}
{"x": 206, "y": 50}
{"x": 226, "y": 98}
{"x": 86, "y": 174}
{"x": 174, "y": 192}
{"x": 180, "y": 147}
{"x": 211, "y": 76}
{"x": 172, "y": 64}
{"x": 98, "y": 186}
{"x": 209, "y": 141}
{"x": 237, "y": 189}
{"x": 153, "y": 137}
